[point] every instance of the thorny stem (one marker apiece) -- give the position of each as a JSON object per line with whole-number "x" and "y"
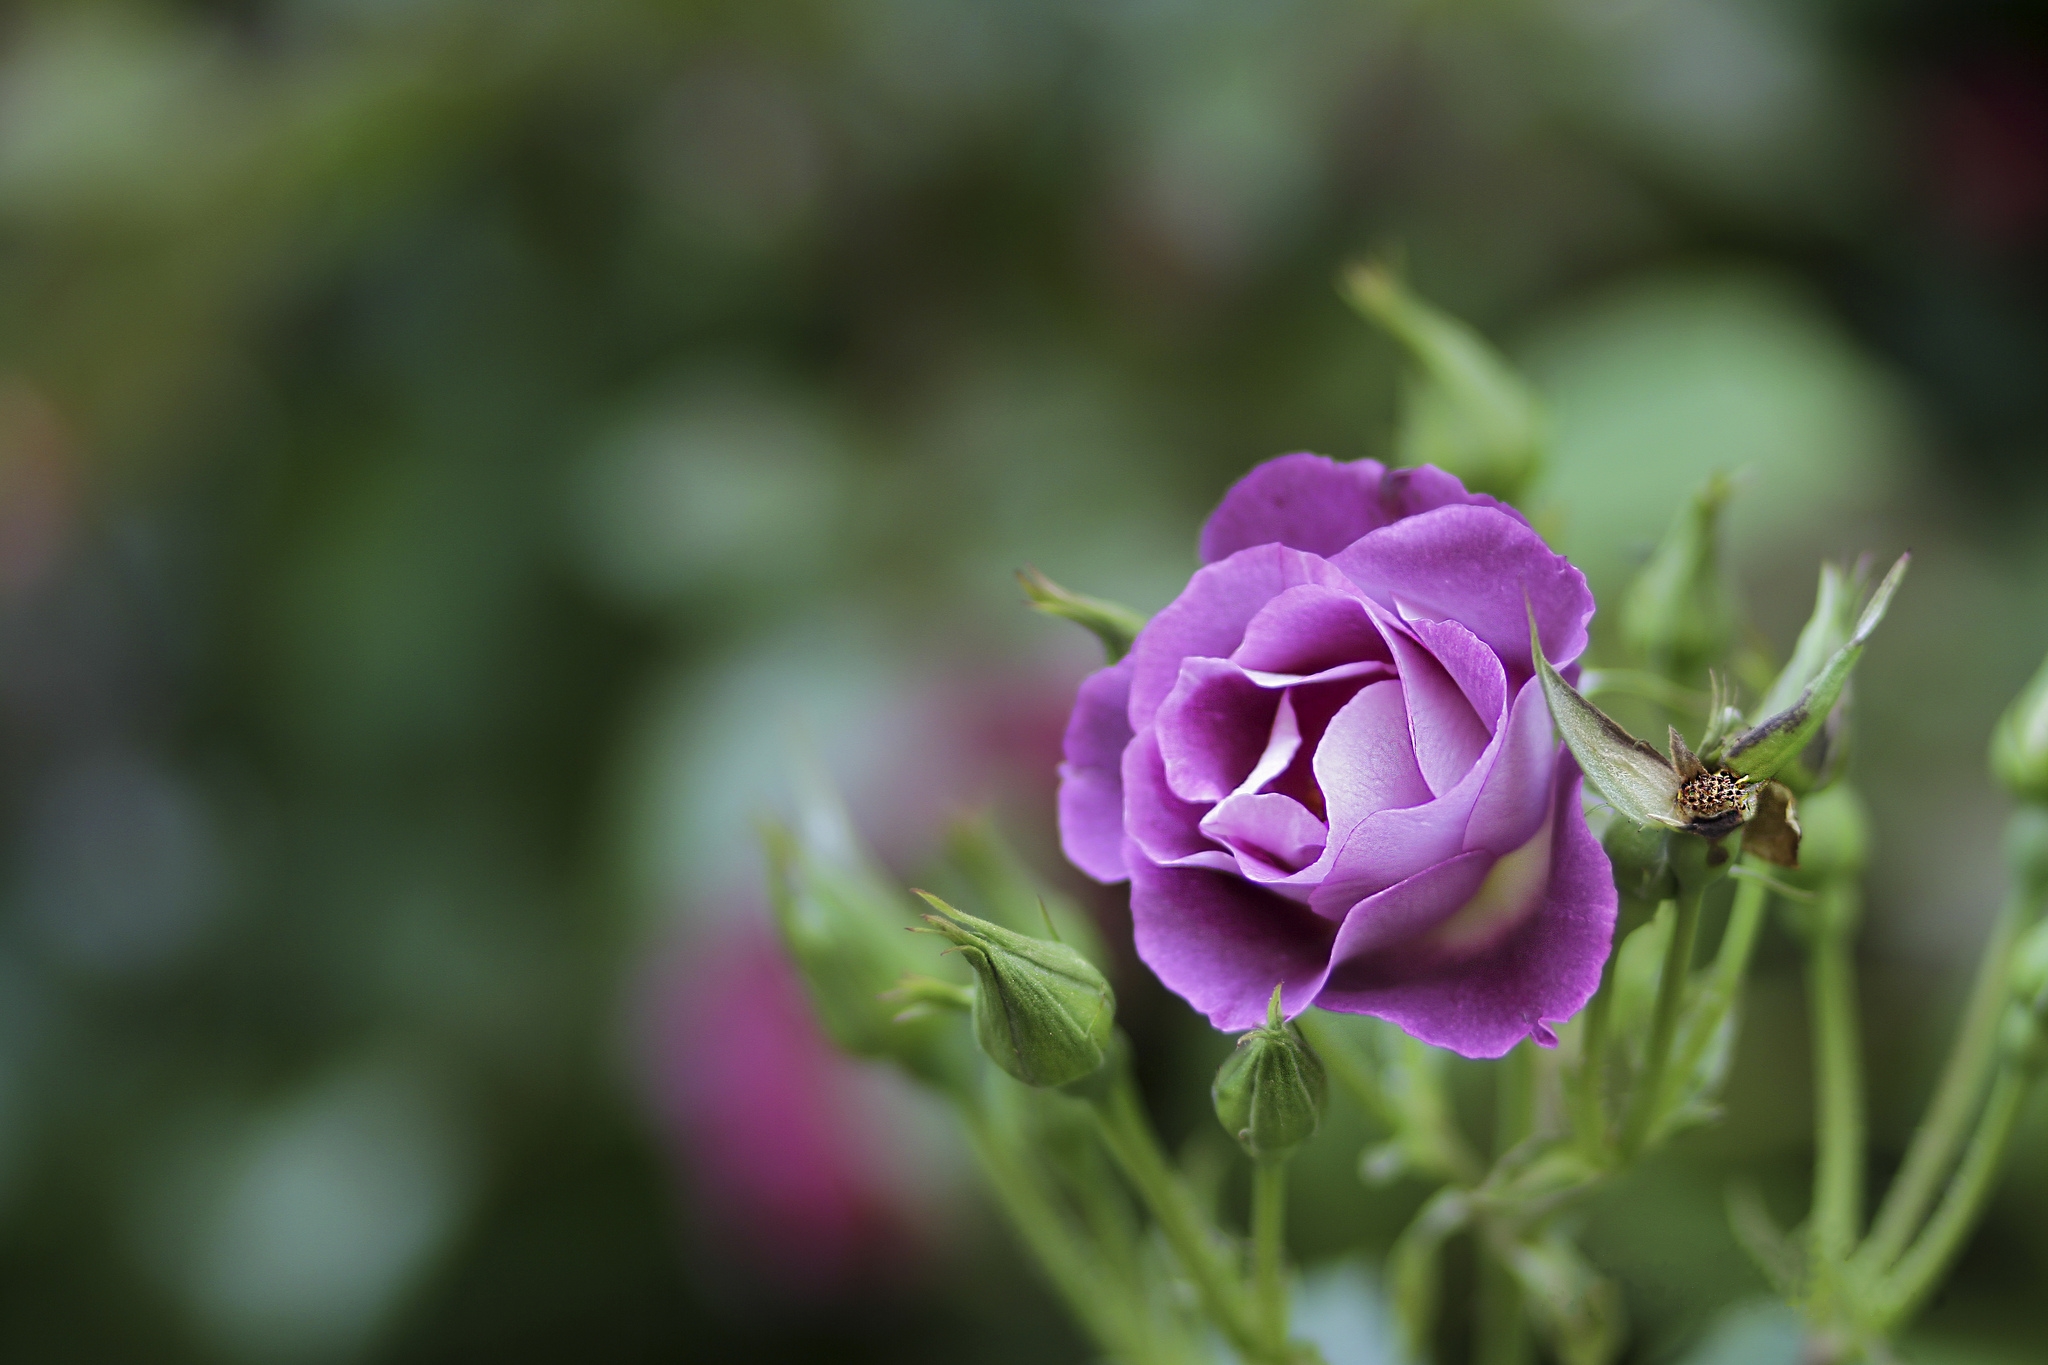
{"x": 1955, "y": 1100}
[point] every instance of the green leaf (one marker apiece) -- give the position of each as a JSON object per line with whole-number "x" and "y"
{"x": 1116, "y": 626}
{"x": 1637, "y": 781}
{"x": 1764, "y": 748}
{"x": 1826, "y": 631}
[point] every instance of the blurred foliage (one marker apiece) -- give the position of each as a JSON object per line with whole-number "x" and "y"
{"x": 442, "y": 441}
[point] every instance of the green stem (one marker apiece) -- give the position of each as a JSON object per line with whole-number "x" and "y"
{"x": 1503, "y": 1332}
{"x": 1731, "y": 965}
{"x": 1127, "y": 1132}
{"x": 1646, "y": 1105}
{"x": 1589, "y": 1088}
{"x": 1049, "y": 1236}
{"x": 1838, "y": 1164}
{"x": 1956, "y": 1097}
{"x": 1269, "y": 1241}
{"x": 1921, "y": 1268}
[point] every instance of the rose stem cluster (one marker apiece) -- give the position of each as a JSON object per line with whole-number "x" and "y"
{"x": 1762, "y": 800}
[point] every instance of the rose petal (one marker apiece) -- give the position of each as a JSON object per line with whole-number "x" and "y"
{"x": 1410, "y": 908}
{"x": 1308, "y": 629}
{"x": 1448, "y": 735}
{"x": 1222, "y": 944}
{"x": 1511, "y": 803}
{"x": 1273, "y": 836}
{"x": 1311, "y": 502}
{"x": 1482, "y": 568}
{"x": 1212, "y": 728}
{"x": 1091, "y": 799}
{"x": 1466, "y": 658}
{"x": 1165, "y": 827}
{"x": 1209, "y": 617}
{"x": 1366, "y": 760}
{"x": 1540, "y": 972}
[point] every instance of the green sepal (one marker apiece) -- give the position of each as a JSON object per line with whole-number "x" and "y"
{"x": 1467, "y": 411}
{"x": 1270, "y": 1090}
{"x": 1637, "y": 781}
{"x": 1042, "y": 1012}
{"x": 1116, "y": 626}
{"x": 1772, "y": 743}
{"x": 1680, "y": 614}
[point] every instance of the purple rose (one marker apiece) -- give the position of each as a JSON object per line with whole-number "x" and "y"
{"x": 1327, "y": 765}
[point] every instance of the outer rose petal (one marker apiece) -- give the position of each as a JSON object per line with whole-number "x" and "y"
{"x": 1313, "y": 503}
{"x": 1511, "y": 804}
{"x": 1209, "y": 617}
{"x": 1483, "y": 1001}
{"x": 1091, "y": 777}
{"x": 1222, "y": 944}
{"x": 1485, "y": 570}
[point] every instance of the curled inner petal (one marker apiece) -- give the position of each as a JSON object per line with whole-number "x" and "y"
{"x": 1269, "y": 829}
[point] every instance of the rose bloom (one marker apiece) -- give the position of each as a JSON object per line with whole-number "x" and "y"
{"x": 1328, "y": 765}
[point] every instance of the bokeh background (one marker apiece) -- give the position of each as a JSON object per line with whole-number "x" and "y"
{"x": 448, "y": 449}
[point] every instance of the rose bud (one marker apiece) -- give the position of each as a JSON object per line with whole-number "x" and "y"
{"x": 1269, "y": 1091}
{"x": 2026, "y": 1024}
{"x": 1328, "y": 763}
{"x": 1041, "y": 1012}
{"x": 2019, "y": 746}
{"x": 1834, "y": 840}
{"x": 1467, "y": 412}
{"x": 1680, "y": 613}
{"x": 844, "y": 930}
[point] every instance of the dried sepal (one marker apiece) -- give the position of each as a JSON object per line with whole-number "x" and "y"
{"x": 1772, "y": 833}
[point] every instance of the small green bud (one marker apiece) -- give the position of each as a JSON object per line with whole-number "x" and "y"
{"x": 1680, "y": 614}
{"x": 1834, "y": 834}
{"x": 1466, "y": 410}
{"x": 2026, "y": 848}
{"x": 1041, "y": 1011}
{"x": 1269, "y": 1091}
{"x": 2019, "y": 746}
{"x": 2026, "y": 1021}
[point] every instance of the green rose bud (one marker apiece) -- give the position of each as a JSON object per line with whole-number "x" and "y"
{"x": 1680, "y": 614}
{"x": 2026, "y": 1022}
{"x": 1269, "y": 1091}
{"x": 1041, "y": 1011}
{"x": 2019, "y": 746}
{"x": 1834, "y": 834}
{"x": 1465, "y": 409}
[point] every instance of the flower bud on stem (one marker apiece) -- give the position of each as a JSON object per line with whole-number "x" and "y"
{"x": 1041, "y": 1010}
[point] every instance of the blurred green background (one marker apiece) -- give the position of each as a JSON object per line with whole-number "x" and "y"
{"x": 448, "y": 447}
